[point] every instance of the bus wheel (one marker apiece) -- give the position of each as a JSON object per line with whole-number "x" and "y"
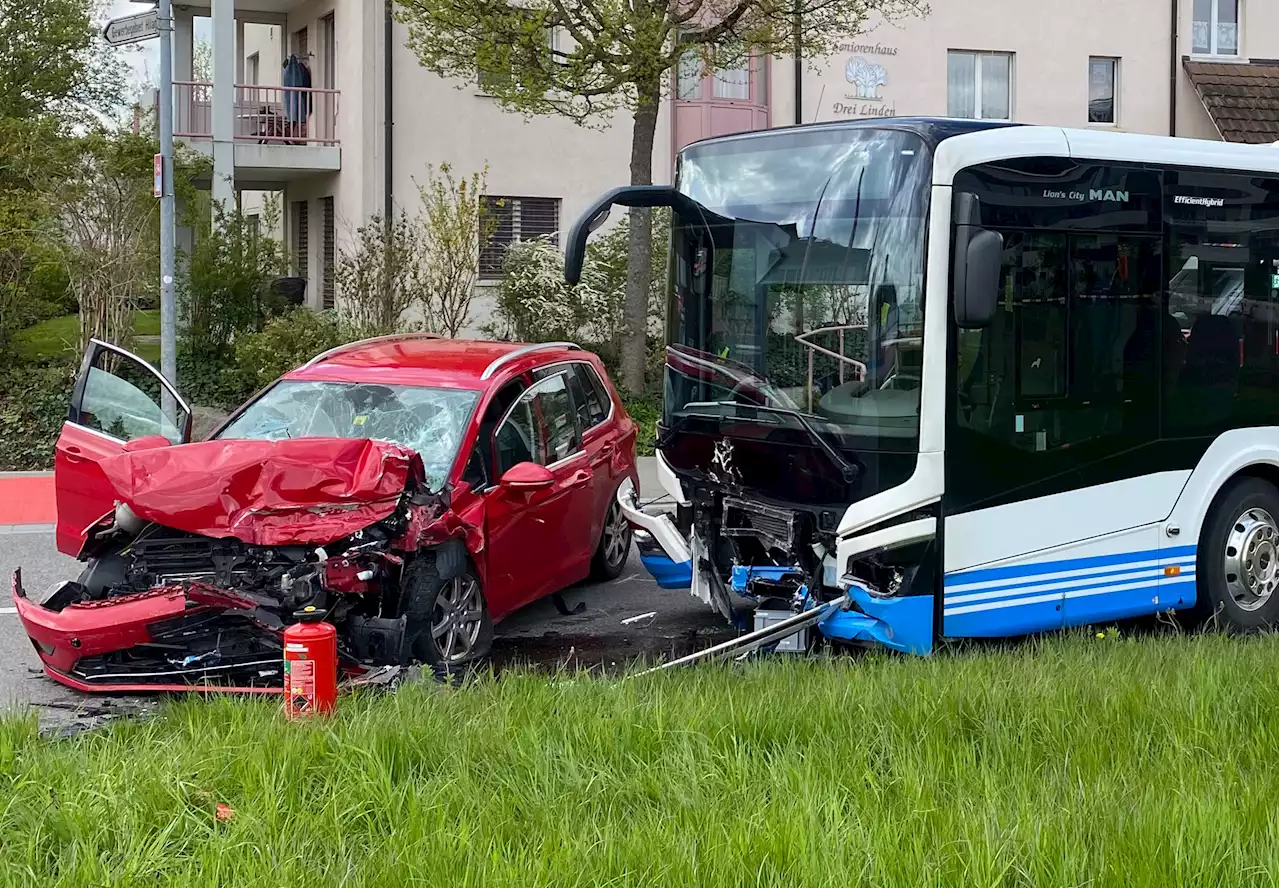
{"x": 1238, "y": 562}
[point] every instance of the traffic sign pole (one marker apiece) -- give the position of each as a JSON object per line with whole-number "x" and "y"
{"x": 168, "y": 222}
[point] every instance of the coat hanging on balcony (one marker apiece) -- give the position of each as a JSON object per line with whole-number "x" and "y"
{"x": 297, "y": 105}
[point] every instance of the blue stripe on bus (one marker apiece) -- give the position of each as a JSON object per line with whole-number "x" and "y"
{"x": 974, "y": 588}
{"x": 1041, "y": 570}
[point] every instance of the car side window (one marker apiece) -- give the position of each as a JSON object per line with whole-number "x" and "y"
{"x": 597, "y": 399}
{"x": 123, "y": 399}
{"x": 484, "y": 453}
{"x": 557, "y": 414}
{"x": 516, "y": 440}
{"x": 542, "y": 426}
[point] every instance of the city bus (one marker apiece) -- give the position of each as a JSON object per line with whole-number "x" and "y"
{"x": 933, "y": 379}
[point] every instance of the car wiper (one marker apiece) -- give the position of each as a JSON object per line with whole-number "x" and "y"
{"x": 848, "y": 470}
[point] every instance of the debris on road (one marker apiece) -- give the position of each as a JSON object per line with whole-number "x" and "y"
{"x": 638, "y": 617}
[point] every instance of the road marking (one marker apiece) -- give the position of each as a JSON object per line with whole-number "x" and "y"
{"x": 27, "y": 528}
{"x": 8, "y": 610}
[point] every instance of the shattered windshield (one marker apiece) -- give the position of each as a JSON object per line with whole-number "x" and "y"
{"x": 802, "y": 286}
{"x": 430, "y": 421}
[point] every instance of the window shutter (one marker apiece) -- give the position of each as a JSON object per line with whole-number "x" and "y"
{"x": 300, "y": 245}
{"x": 518, "y": 219}
{"x": 327, "y": 204}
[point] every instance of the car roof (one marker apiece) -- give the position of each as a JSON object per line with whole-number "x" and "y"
{"x": 423, "y": 359}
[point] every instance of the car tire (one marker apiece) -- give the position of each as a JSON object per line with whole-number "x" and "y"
{"x": 615, "y": 543}
{"x": 448, "y": 624}
{"x": 1236, "y": 561}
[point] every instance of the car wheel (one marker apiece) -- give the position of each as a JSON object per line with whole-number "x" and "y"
{"x": 449, "y": 624}
{"x": 614, "y": 546}
{"x": 1237, "y": 570}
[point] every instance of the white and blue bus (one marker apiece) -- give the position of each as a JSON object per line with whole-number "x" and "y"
{"x": 948, "y": 379}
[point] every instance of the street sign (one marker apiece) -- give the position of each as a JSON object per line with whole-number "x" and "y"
{"x": 132, "y": 28}
{"x": 157, "y": 173}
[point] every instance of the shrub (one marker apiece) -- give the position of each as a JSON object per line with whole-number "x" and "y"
{"x": 284, "y": 343}
{"x": 227, "y": 290}
{"x": 645, "y": 411}
{"x": 33, "y": 406}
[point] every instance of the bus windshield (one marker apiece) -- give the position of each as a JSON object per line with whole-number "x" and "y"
{"x": 802, "y": 286}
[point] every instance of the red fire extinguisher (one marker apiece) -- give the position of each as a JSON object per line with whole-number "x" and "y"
{"x": 310, "y": 665}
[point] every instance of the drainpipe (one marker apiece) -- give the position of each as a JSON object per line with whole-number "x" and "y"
{"x": 388, "y": 166}
{"x": 1173, "y": 67}
{"x": 799, "y": 62}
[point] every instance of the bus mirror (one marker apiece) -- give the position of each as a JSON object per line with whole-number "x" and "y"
{"x": 575, "y": 251}
{"x": 977, "y": 275}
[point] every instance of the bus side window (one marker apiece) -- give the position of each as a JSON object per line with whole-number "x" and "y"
{"x": 1222, "y": 293}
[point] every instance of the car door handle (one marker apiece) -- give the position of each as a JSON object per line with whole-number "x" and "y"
{"x": 74, "y": 454}
{"x": 580, "y": 479}
{"x": 606, "y": 452}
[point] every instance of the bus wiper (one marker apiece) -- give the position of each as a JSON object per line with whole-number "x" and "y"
{"x": 848, "y": 470}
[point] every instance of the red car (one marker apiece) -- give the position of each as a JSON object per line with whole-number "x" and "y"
{"x": 416, "y": 489}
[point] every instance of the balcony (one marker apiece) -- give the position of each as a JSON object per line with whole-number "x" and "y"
{"x": 281, "y": 133}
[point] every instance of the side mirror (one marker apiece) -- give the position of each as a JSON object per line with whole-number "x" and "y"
{"x": 978, "y": 290}
{"x": 527, "y": 476}
{"x": 975, "y": 277}
{"x": 148, "y": 442}
{"x": 575, "y": 249}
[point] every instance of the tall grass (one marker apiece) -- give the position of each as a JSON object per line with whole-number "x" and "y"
{"x": 1072, "y": 761}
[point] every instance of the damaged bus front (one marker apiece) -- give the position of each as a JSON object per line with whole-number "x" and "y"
{"x": 793, "y": 381}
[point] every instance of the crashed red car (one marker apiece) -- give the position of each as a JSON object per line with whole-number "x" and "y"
{"x": 416, "y": 489}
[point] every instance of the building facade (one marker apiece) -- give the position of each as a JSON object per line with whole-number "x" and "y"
{"x": 357, "y": 132}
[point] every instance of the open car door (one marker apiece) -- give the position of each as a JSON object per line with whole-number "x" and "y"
{"x": 118, "y": 398}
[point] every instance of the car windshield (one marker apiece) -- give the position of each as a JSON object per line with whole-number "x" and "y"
{"x": 430, "y": 421}
{"x": 800, "y": 287}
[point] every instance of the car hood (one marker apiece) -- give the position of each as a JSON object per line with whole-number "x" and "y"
{"x": 268, "y": 493}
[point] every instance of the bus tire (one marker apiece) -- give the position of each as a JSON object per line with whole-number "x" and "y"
{"x": 1237, "y": 569}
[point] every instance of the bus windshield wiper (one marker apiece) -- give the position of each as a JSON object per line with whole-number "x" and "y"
{"x": 848, "y": 470}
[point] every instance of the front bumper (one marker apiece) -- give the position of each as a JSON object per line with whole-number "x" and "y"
{"x": 903, "y": 623}
{"x": 144, "y": 642}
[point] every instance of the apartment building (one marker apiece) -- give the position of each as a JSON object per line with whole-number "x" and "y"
{"x": 357, "y": 131}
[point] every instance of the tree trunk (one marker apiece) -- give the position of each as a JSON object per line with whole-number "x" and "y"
{"x": 635, "y": 311}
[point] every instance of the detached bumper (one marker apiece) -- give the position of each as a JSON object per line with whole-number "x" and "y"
{"x": 662, "y": 550}
{"x": 165, "y": 639}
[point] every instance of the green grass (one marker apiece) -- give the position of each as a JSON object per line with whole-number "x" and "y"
{"x": 1070, "y": 762}
{"x": 58, "y": 336}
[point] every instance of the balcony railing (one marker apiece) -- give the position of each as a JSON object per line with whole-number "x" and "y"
{"x": 266, "y": 115}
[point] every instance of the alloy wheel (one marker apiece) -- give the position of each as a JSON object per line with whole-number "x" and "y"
{"x": 456, "y": 620}
{"x": 617, "y": 536}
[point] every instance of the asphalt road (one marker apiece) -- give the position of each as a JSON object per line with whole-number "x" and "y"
{"x": 536, "y": 636}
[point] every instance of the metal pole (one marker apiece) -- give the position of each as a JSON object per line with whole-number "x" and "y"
{"x": 168, "y": 232}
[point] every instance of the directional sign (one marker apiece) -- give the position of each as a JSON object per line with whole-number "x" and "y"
{"x": 133, "y": 28}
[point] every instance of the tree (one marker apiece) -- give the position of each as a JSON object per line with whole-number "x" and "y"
{"x": 620, "y": 57}
{"x": 376, "y": 274}
{"x": 53, "y": 60}
{"x": 458, "y": 225}
{"x": 106, "y": 219}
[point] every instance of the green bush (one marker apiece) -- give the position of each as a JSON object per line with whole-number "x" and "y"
{"x": 284, "y": 343}
{"x": 645, "y": 411}
{"x": 227, "y": 290}
{"x": 212, "y": 381}
{"x": 33, "y": 406}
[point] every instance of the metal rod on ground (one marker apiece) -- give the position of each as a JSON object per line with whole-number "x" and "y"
{"x": 745, "y": 644}
{"x": 168, "y": 233}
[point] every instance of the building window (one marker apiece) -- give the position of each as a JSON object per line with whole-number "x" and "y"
{"x": 732, "y": 78}
{"x": 488, "y": 81}
{"x": 252, "y": 226}
{"x": 1215, "y": 27}
{"x": 300, "y": 222}
{"x": 979, "y": 85}
{"x": 517, "y": 219}
{"x": 1102, "y": 90}
{"x": 327, "y": 299}
{"x": 251, "y": 66}
{"x": 729, "y": 81}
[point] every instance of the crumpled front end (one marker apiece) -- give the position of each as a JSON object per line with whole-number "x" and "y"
{"x": 760, "y": 562}
{"x": 198, "y": 598}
